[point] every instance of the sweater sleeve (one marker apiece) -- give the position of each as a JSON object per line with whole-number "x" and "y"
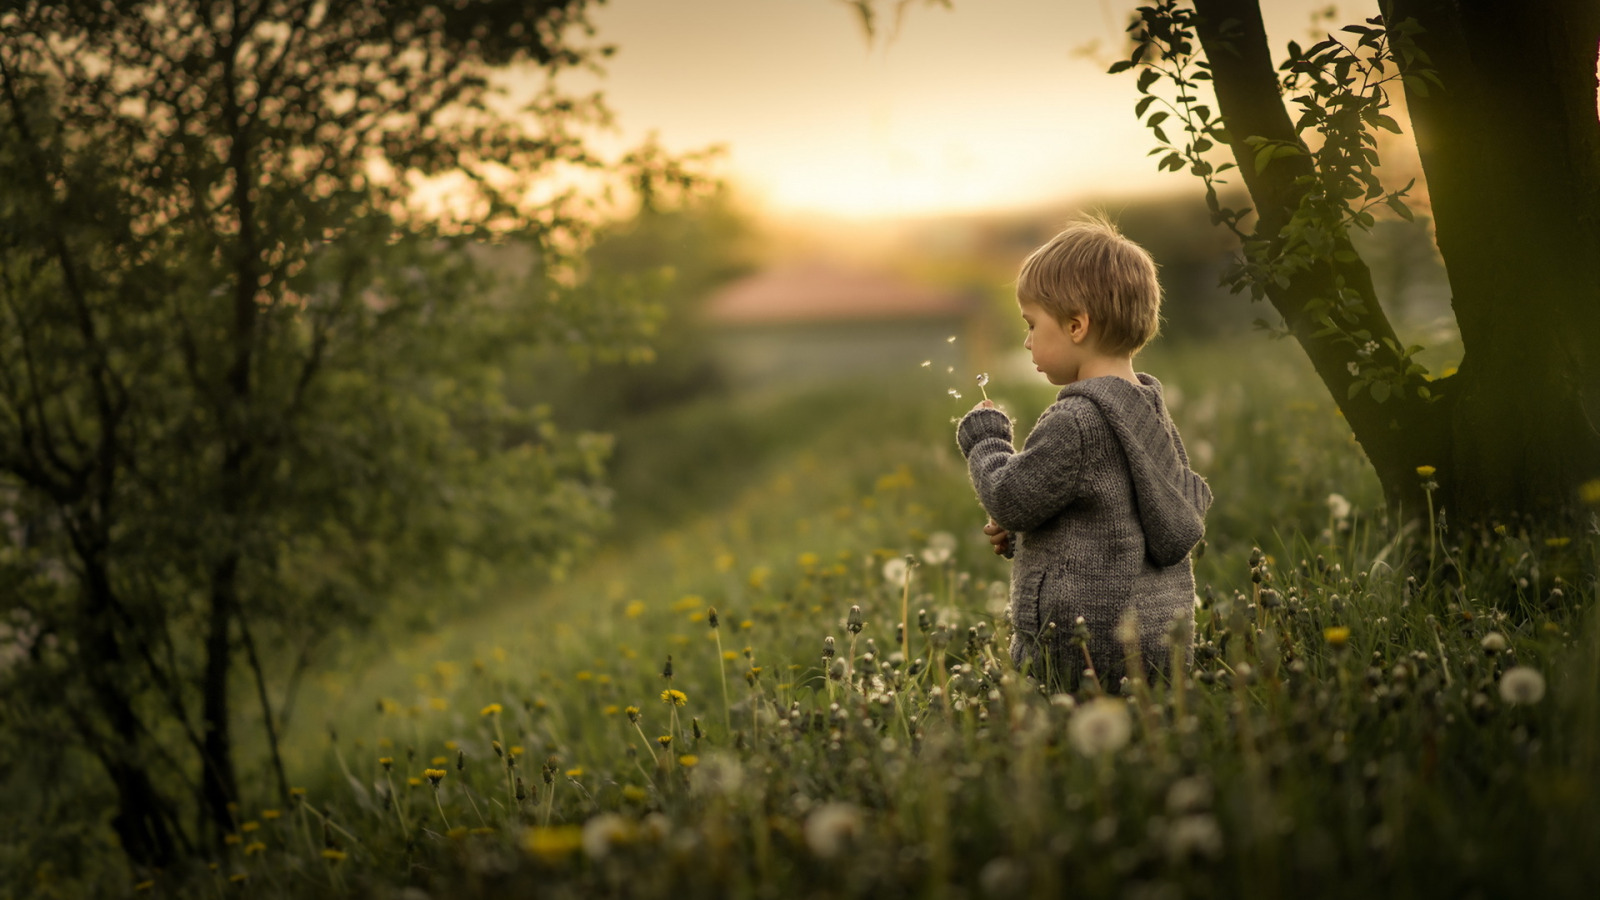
{"x": 1022, "y": 490}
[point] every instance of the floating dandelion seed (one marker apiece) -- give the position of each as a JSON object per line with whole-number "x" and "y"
{"x": 955, "y": 393}
{"x": 926, "y": 363}
{"x": 949, "y": 369}
{"x": 983, "y": 384}
{"x": 950, "y": 340}
{"x": 1522, "y": 686}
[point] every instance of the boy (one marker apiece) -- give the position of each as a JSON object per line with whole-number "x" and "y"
{"x": 1099, "y": 505}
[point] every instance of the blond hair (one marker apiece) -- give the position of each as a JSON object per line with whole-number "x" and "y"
{"x": 1090, "y": 267}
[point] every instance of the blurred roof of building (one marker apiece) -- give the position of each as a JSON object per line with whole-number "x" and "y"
{"x": 822, "y": 292}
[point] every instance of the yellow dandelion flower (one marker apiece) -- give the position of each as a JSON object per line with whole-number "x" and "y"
{"x": 434, "y": 776}
{"x": 674, "y": 697}
{"x": 552, "y": 844}
{"x": 758, "y": 577}
{"x": 746, "y": 624}
{"x": 575, "y": 772}
{"x": 144, "y": 886}
{"x": 688, "y": 760}
{"x": 332, "y": 855}
{"x": 1426, "y": 471}
{"x": 254, "y": 848}
{"x": 1336, "y": 635}
{"x": 297, "y": 792}
{"x": 611, "y": 710}
{"x": 633, "y": 713}
{"x": 515, "y": 751}
{"x": 387, "y": 762}
{"x": 249, "y": 827}
{"x": 634, "y": 610}
{"x": 1556, "y": 543}
{"x": 635, "y": 794}
{"x": 688, "y": 602}
{"x": 238, "y": 877}
{"x": 602, "y": 678}
{"x": 584, "y": 675}
{"x": 232, "y": 839}
{"x": 270, "y": 814}
{"x": 414, "y": 781}
{"x": 493, "y": 709}
{"x": 729, "y": 655}
{"x": 1589, "y": 492}
{"x": 724, "y": 562}
{"x": 809, "y": 560}
{"x": 665, "y": 740}
{"x": 456, "y": 833}
{"x": 440, "y": 761}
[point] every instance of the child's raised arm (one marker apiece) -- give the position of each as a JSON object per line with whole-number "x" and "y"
{"x": 1022, "y": 489}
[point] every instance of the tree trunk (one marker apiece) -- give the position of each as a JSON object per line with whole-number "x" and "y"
{"x": 142, "y": 813}
{"x": 1403, "y": 432}
{"x": 1511, "y": 150}
{"x": 218, "y": 782}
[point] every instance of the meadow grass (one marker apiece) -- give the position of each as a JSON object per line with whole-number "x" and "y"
{"x": 717, "y": 704}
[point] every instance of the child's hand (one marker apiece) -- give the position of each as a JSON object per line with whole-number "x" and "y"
{"x": 999, "y": 537}
{"x": 984, "y": 404}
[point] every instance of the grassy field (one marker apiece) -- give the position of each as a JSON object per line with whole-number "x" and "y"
{"x": 717, "y": 703}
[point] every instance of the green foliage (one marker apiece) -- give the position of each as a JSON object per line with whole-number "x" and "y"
{"x": 1343, "y": 89}
{"x": 260, "y": 268}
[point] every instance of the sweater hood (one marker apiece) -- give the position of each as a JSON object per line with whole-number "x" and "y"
{"x": 1171, "y": 499}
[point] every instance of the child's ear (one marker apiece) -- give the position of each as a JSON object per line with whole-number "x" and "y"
{"x": 1078, "y": 327}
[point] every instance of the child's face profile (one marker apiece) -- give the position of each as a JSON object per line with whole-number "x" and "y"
{"x": 1058, "y": 348}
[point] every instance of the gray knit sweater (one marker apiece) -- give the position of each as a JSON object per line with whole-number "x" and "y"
{"x": 1103, "y": 510}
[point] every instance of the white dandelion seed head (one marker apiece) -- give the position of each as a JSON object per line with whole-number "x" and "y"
{"x": 1100, "y": 726}
{"x": 1189, "y": 795}
{"x": 1493, "y": 642}
{"x": 832, "y": 827}
{"x": 1194, "y": 837}
{"x": 983, "y": 379}
{"x": 1521, "y": 686}
{"x": 894, "y": 571}
{"x": 1338, "y": 507}
{"x": 941, "y": 544}
{"x": 606, "y": 831}
{"x": 717, "y": 774}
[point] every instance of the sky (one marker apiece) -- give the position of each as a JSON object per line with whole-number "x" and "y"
{"x": 990, "y": 105}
